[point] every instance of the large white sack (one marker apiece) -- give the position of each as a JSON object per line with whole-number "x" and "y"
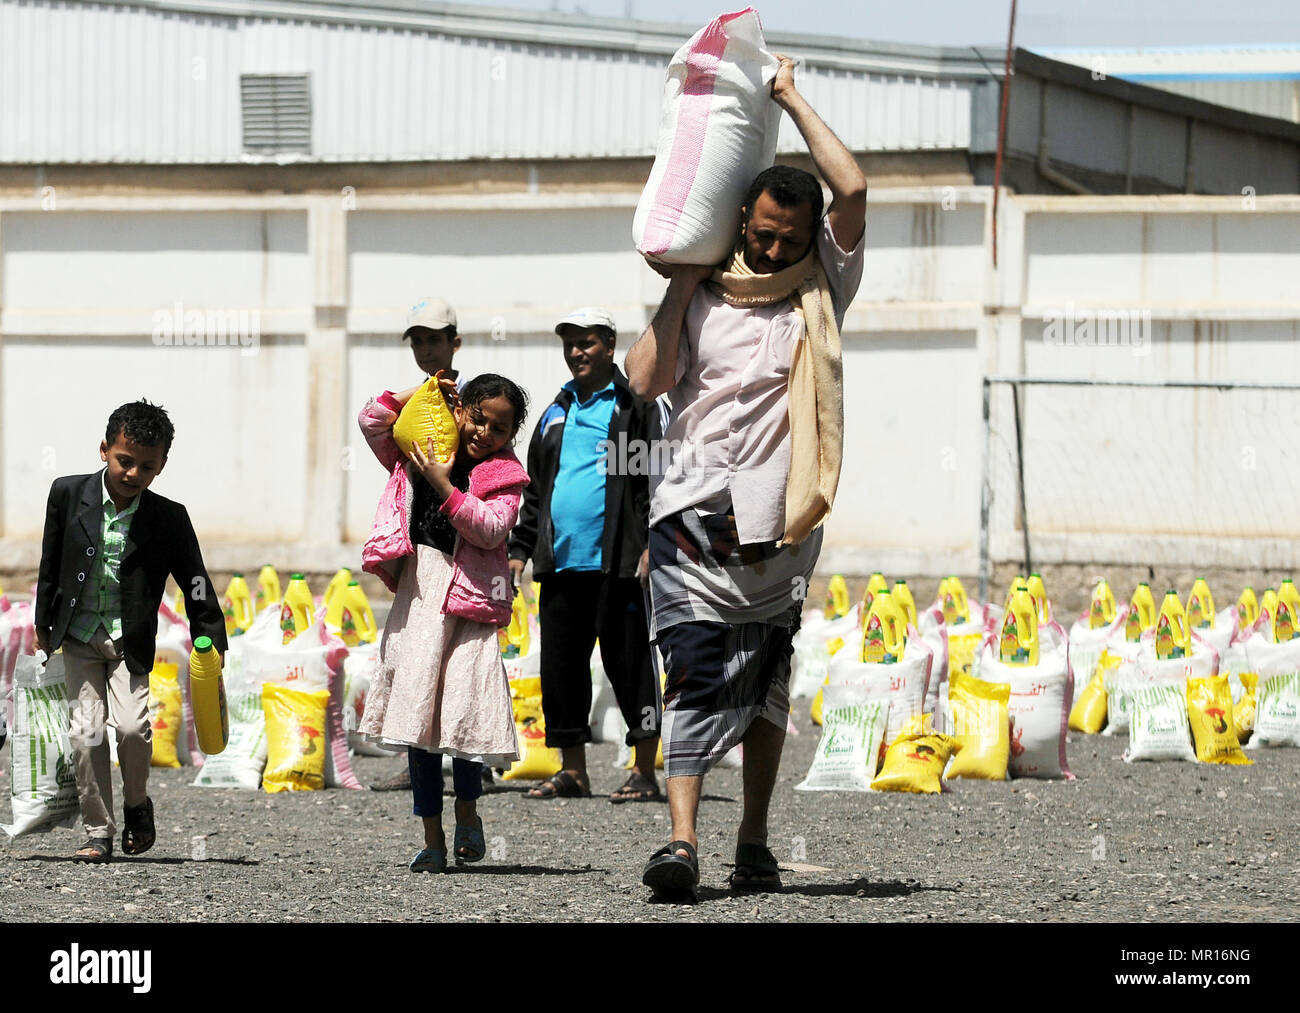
{"x": 904, "y": 680}
{"x": 717, "y": 131}
{"x": 1038, "y": 708}
{"x": 43, "y": 786}
{"x": 1277, "y": 700}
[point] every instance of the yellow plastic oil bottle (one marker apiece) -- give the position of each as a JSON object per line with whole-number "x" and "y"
{"x": 952, "y": 598}
{"x": 535, "y": 604}
{"x": 1285, "y": 626}
{"x": 1200, "y": 606}
{"x": 1018, "y": 643}
{"x": 208, "y": 697}
{"x": 1247, "y": 607}
{"x": 1039, "y": 591}
{"x": 1101, "y": 609}
{"x": 517, "y": 632}
{"x": 268, "y": 587}
{"x": 884, "y": 634}
{"x": 1141, "y": 613}
{"x": 349, "y": 612}
{"x": 1290, "y": 597}
{"x": 1018, "y": 584}
{"x": 298, "y": 607}
{"x": 1173, "y": 634}
{"x": 875, "y": 584}
{"x": 901, "y": 595}
{"x": 336, "y": 585}
{"x": 837, "y": 598}
{"x": 237, "y": 606}
{"x": 179, "y": 605}
{"x": 1268, "y": 609}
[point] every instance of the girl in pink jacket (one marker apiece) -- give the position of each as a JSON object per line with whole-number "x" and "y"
{"x": 439, "y": 543}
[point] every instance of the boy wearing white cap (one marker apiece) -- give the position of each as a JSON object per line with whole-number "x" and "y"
{"x": 431, "y": 330}
{"x": 584, "y": 524}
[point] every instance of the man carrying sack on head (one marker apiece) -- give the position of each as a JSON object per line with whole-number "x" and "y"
{"x": 749, "y": 355}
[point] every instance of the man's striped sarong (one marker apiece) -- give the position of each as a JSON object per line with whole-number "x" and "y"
{"x": 724, "y": 618}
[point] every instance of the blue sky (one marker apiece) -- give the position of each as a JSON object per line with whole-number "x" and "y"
{"x": 967, "y": 22}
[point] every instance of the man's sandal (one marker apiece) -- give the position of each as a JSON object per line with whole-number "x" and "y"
{"x": 561, "y": 784}
{"x": 138, "y": 835}
{"x": 96, "y": 850}
{"x": 671, "y": 876}
{"x": 468, "y": 845}
{"x": 756, "y": 870}
{"x": 637, "y": 788}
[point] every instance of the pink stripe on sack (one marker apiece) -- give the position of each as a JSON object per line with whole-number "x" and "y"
{"x": 688, "y": 140}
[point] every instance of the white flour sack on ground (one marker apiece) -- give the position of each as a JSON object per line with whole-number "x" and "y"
{"x": 853, "y": 721}
{"x": 1087, "y": 645}
{"x": 1277, "y": 707}
{"x": 1039, "y": 709}
{"x": 717, "y": 131}
{"x": 43, "y": 788}
{"x": 1158, "y": 727}
{"x": 905, "y": 680}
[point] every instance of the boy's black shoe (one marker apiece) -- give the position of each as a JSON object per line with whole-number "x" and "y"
{"x": 138, "y": 835}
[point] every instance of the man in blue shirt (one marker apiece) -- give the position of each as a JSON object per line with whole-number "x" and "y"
{"x": 584, "y": 524}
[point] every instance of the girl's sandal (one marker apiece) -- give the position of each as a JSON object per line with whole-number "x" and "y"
{"x": 430, "y": 860}
{"x": 468, "y": 844}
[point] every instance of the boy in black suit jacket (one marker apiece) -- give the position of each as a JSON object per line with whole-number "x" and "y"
{"x": 109, "y": 546}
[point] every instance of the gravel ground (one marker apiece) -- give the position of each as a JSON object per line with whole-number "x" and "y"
{"x": 1142, "y": 842}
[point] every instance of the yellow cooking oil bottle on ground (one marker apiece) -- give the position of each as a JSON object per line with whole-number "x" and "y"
{"x": 1141, "y": 613}
{"x": 517, "y": 632}
{"x": 1200, "y": 606}
{"x": 1286, "y": 623}
{"x": 952, "y": 599}
{"x": 1101, "y": 608}
{"x": 901, "y": 595}
{"x": 208, "y": 697}
{"x": 1247, "y": 608}
{"x": 336, "y": 585}
{"x": 297, "y": 609}
{"x": 837, "y": 598}
{"x": 884, "y": 634}
{"x": 268, "y": 587}
{"x": 1173, "y": 635}
{"x": 237, "y": 606}
{"x": 1018, "y": 642}
{"x": 875, "y": 584}
{"x": 1039, "y": 591}
{"x": 349, "y": 612}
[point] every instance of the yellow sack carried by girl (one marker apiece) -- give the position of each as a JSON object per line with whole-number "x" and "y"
{"x": 536, "y": 762}
{"x": 1088, "y": 715}
{"x": 426, "y": 417}
{"x": 1209, "y": 712}
{"x": 916, "y": 763}
{"x": 295, "y": 738}
{"x": 980, "y": 725}
{"x": 165, "y": 714}
{"x": 1243, "y": 711}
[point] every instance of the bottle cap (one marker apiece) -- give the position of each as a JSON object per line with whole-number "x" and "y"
{"x": 238, "y": 574}
{"x": 295, "y": 576}
{"x": 353, "y": 583}
{"x": 203, "y": 644}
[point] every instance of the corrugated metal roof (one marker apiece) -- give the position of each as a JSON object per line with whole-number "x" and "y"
{"x": 1261, "y": 79}
{"x": 159, "y": 82}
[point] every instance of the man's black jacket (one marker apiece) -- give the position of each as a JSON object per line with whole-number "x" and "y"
{"x": 160, "y": 541}
{"x": 627, "y": 483}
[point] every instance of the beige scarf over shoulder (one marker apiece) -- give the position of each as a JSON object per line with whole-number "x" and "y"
{"x": 816, "y": 385}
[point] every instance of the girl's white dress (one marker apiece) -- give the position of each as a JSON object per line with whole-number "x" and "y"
{"x": 439, "y": 683}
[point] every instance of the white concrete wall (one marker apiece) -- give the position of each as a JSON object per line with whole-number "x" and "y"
{"x": 271, "y": 465}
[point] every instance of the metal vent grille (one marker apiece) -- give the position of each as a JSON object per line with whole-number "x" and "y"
{"x": 277, "y": 112}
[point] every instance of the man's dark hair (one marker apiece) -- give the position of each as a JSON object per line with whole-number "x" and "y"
{"x": 490, "y": 385}
{"x": 789, "y": 187}
{"x": 449, "y": 331}
{"x": 143, "y": 423}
